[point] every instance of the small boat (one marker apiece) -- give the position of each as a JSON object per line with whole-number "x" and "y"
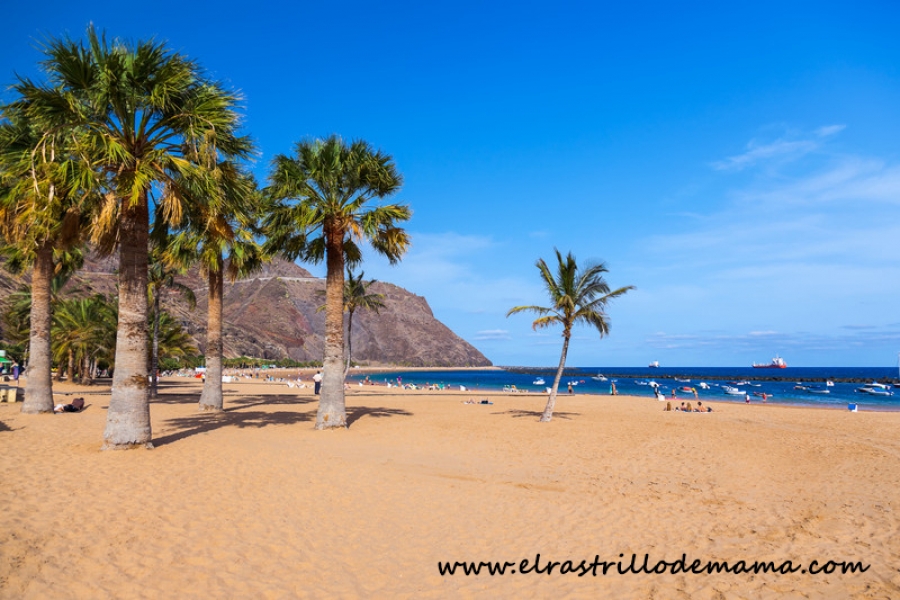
{"x": 763, "y": 395}
{"x": 703, "y": 385}
{"x": 829, "y": 383}
{"x": 733, "y": 391}
{"x": 599, "y": 377}
{"x": 654, "y": 364}
{"x": 642, "y": 382}
{"x": 686, "y": 388}
{"x": 679, "y": 380}
{"x": 817, "y": 390}
{"x": 875, "y": 389}
{"x": 538, "y": 381}
{"x": 801, "y": 387}
{"x": 743, "y": 382}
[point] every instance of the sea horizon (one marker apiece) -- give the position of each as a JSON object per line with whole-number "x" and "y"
{"x": 780, "y": 386}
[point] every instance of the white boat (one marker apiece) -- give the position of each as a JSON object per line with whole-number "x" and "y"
{"x": 829, "y": 383}
{"x": 654, "y": 364}
{"x": 875, "y": 389}
{"x": 733, "y": 391}
{"x": 599, "y": 377}
{"x": 703, "y": 385}
{"x": 679, "y": 380}
{"x": 817, "y": 390}
{"x": 538, "y": 381}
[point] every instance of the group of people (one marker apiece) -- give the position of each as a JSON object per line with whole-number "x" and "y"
{"x": 687, "y": 407}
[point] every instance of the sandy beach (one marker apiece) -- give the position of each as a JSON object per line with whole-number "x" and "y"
{"x": 255, "y": 503}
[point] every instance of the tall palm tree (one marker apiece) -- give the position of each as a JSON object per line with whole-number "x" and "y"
{"x": 577, "y": 297}
{"x": 162, "y": 277}
{"x": 324, "y": 195}
{"x": 219, "y": 235}
{"x": 356, "y": 297}
{"x": 143, "y": 111}
{"x": 44, "y": 181}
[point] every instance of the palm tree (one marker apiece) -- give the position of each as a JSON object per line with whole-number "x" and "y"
{"x": 43, "y": 183}
{"x": 220, "y": 237}
{"x": 160, "y": 278}
{"x": 174, "y": 341}
{"x": 356, "y": 297}
{"x": 576, "y": 297}
{"x": 143, "y": 111}
{"x": 324, "y": 196}
{"x": 84, "y": 331}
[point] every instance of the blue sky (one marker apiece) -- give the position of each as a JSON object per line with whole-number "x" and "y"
{"x": 739, "y": 165}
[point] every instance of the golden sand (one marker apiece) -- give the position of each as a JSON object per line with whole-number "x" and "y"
{"x": 255, "y": 503}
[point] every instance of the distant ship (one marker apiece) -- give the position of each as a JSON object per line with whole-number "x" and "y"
{"x": 654, "y": 364}
{"x": 777, "y": 363}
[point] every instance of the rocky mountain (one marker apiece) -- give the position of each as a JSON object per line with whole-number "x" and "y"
{"x": 273, "y": 314}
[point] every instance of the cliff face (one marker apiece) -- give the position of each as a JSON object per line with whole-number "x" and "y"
{"x": 273, "y": 314}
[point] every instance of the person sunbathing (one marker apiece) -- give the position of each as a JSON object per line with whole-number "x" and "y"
{"x": 77, "y": 405}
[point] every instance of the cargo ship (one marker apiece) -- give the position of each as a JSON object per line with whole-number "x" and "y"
{"x": 777, "y": 363}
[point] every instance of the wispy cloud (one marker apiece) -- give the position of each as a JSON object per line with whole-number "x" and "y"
{"x": 492, "y": 334}
{"x": 784, "y": 148}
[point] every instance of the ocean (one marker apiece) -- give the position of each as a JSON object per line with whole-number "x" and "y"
{"x": 778, "y": 384}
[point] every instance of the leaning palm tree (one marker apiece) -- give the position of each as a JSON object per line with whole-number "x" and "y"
{"x": 324, "y": 195}
{"x": 44, "y": 182}
{"x": 577, "y": 296}
{"x": 143, "y": 111}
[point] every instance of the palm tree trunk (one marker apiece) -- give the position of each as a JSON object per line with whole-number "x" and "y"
{"x": 128, "y": 417}
{"x": 39, "y": 384}
{"x": 349, "y": 341}
{"x": 70, "y": 370}
{"x": 332, "y": 409}
{"x": 154, "y": 356}
{"x": 551, "y": 402}
{"x": 86, "y": 371}
{"x": 211, "y": 398}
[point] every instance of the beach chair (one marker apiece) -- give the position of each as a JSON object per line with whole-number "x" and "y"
{"x": 852, "y": 407}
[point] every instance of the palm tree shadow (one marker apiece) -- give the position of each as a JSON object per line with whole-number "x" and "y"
{"x": 5, "y": 427}
{"x": 357, "y": 412}
{"x": 518, "y": 413}
{"x": 233, "y": 417}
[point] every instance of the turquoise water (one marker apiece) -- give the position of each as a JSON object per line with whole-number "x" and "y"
{"x": 777, "y": 384}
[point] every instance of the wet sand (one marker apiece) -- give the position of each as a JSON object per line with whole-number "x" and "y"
{"x": 256, "y": 503}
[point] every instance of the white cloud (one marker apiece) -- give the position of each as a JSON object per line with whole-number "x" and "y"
{"x": 492, "y": 334}
{"x": 756, "y": 153}
{"x": 784, "y": 148}
{"x": 829, "y": 130}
